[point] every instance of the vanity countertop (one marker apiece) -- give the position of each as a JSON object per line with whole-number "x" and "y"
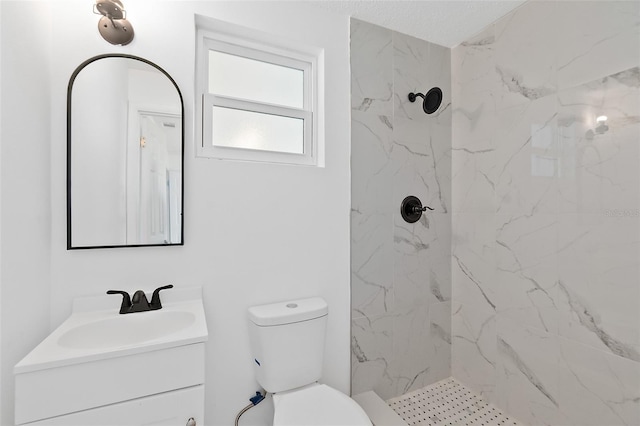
{"x": 95, "y": 330}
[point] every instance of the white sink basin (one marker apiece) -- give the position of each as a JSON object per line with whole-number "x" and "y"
{"x": 96, "y": 330}
{"x": 121, "y": 358}
{"x": 126, "y": 329}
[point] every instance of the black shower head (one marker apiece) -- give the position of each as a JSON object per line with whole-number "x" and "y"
{"x": 431, "y": 101}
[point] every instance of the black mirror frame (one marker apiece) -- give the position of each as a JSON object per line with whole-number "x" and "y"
{"x": 69, "y": 92}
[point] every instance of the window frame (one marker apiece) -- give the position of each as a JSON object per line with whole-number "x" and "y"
{"x": 265, "y": 50}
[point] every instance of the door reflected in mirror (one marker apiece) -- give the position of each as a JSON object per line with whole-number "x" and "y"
{"x": 124, "y": 155}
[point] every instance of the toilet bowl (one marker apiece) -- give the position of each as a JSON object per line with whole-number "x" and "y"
{"x": 287, "y": 344}
{"x": 317, "y": 405}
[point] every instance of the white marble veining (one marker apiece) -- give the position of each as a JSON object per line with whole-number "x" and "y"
{"x": 597, "y": 388}
{"x": 371, "y": 351}
{"x": 524, "y": 57}
{"x": 401, "y": 272}
{"x": 412, "y": 275}
{"x": 598, "y": 39}
{"x": 371, "y": 59}
{"x": 413, "y": 360}
{"x": 546, "y": 222}
{"x": 527, "y": 269}
{"x": 473, "y": 310}
{"x": 525, "y": 280}
{"x": 472, "y": 176}
{"x": 371, "y": 172}
{"x": 528, "y": 379}
{"x": 371, "y": 264}
{"x": 525, "y": 134}
{"x": 598, "y": 290}
{"x": 473, "y": 348}
{"x": 597, "y": 170}
{"x": 410, "y": 64}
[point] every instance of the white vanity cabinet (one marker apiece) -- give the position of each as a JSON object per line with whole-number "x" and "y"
{"x": 138, "y": 375}
{"x": 166, "y": 409}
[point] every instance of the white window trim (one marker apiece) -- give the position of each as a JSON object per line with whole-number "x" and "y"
{"x": 210, "y": 101}
{"x": 240, "y": 42}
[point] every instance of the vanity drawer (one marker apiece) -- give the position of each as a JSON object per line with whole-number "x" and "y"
{"x": 68, "y": 389}
{"x": 169, "y": 408}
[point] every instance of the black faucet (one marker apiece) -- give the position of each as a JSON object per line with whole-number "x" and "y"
{"x": 139, "y": 302}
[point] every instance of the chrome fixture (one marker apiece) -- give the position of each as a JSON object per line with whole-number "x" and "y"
{"x": 113, "y": 26}
{"x": 431, "y": 101}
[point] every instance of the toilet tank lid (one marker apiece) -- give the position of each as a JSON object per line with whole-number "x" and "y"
{"x": 288, "y": 312}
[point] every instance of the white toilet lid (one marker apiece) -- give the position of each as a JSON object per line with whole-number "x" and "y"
{"x": 317, "y": 405}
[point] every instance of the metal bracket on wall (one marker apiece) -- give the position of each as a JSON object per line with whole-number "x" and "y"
{"x": 113, "y": 26}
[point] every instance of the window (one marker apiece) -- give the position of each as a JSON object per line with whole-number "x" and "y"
{"x": 258, "y": 99}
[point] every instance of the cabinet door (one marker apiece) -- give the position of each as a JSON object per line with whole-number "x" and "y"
{"x": 166, "y": 409}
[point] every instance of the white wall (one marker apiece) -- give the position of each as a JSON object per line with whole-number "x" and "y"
{"x": 26, "y": 201}
{"x": 292, "y": 240}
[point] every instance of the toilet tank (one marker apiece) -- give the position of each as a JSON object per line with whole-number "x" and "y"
{"x": 287, "y": 342}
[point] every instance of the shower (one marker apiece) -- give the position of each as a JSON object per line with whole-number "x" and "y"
{"x": 431, "y": 101}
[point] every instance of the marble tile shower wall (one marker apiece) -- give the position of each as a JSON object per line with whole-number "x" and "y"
{"x": 401, "y": 273}
{"x": 546, "y": 213}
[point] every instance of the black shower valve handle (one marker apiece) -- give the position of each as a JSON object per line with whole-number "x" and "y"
{"x": 417, "y": 209}
{"x": 411, "y": 209}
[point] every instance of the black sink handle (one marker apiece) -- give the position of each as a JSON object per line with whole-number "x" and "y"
{"x": 126, "y": 300}
{"x": 155, "y": 298}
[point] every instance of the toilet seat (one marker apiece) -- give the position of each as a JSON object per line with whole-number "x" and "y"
{"x": 317, "y": 405}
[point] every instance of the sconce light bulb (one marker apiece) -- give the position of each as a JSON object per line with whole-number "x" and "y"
{"x": 601, "y": 119}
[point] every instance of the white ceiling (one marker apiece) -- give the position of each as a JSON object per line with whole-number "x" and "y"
{"x": 447, "y": 23}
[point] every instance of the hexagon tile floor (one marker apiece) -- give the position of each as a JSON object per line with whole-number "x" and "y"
{"x": 448, "y": 402}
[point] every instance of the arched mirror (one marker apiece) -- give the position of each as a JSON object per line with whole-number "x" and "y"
{"x": 125, "y": 155}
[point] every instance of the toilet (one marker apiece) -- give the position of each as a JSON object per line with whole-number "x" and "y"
{"x": 287, "y": 344}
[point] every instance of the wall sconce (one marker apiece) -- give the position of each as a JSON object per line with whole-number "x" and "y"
{"x": 113, "y": 26}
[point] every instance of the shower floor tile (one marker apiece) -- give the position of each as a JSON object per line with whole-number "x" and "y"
{"x": 448, "y": 402}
